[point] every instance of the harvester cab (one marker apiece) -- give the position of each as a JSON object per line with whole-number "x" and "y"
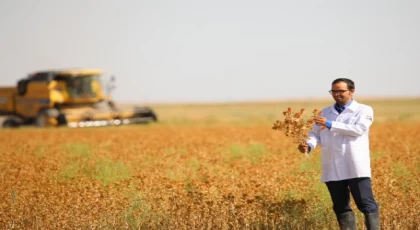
{"x": 73, "y": 98}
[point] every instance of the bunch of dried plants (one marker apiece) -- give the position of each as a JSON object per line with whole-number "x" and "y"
{"x": 295, "y": 125}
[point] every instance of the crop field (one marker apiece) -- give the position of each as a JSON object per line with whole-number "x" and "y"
{"x": 208, "y": 166}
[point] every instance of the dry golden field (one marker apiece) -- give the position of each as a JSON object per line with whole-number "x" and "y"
{"x": 214, "y": 166}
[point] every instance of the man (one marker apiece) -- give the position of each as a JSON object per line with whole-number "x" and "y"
{"x": 345, "y": 155}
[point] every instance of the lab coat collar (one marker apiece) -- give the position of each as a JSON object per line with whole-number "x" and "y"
{"x": 353, "y": 107}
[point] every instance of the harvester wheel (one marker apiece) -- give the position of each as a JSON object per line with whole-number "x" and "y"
{"x": 9, "y": 122}
{"x": 41, "y": 120}
{"x": 61, "y": 119}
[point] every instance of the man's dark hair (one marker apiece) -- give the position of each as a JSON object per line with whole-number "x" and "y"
{"x": 350, "y": 83}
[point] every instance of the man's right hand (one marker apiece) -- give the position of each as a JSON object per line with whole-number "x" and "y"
{"x": 303, "y": 148}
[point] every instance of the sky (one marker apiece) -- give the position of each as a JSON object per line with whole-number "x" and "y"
{"x": 170, "y": 51}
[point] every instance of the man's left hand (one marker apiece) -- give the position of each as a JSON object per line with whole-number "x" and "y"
{"x": 320, "y": 121}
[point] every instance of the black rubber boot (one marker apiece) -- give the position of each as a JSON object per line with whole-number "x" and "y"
{"x": 347, "y": 221}
{"x": 372, "y": 221}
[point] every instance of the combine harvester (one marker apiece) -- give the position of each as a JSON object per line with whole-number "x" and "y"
{"x": 72, "y": 98}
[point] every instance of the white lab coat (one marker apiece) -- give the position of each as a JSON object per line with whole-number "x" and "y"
{"x": 345, "y": 152}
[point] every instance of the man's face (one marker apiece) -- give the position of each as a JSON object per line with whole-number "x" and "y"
{"x": 341, "y": 93}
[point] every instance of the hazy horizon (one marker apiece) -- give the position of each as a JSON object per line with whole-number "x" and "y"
{"x": 218, "y": 51}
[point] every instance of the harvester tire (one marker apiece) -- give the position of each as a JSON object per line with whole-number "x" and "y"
{"x": 41, "y": 118}
{"x": 9, "y": 122}
{"x": 61, "y": 119}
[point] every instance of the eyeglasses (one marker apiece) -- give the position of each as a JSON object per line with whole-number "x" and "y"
{"x": 337, "y": 91}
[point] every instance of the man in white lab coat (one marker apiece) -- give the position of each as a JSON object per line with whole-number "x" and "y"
{"x": 345, "y": 155}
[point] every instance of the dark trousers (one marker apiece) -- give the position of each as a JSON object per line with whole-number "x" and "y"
{"x": 360, "y": 189}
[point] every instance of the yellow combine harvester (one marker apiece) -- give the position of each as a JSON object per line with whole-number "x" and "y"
{"x": 72, "y": 98}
